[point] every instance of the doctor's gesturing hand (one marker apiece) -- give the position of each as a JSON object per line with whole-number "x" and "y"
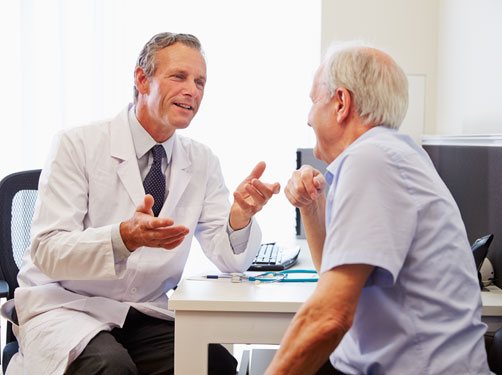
{"x": 250, "y": 197}
{"x": 144, "y": 229}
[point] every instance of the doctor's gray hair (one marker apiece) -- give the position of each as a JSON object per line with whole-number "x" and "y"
{"x": 378, "y": 86}
{"x": 146, "y": 58}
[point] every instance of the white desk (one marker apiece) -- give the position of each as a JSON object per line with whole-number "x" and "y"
{"x": 492, "y": 308}
{"x": 218, "y": 311}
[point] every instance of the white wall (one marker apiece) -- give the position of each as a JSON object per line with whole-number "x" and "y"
{"x": 407, "y": 30}
{"x": 66, "y": 64}
{"x": 470, "y": 67}
{"x": 450, "y": 49}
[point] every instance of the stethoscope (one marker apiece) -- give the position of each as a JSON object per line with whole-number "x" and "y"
{"x": 283, "y": 277}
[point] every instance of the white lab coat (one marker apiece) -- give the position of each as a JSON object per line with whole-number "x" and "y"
{"x": 91, "y": 182}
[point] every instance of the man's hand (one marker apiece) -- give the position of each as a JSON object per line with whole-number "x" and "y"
{"x": 143, "y": 229}
{"x": 305, "y": 190}
{"x": 250, "y": 197}
{"x": 305, "y": 186}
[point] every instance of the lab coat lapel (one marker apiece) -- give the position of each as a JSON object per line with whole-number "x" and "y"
{"x": 122, "y": 147}
{"x": 179, "y": 178}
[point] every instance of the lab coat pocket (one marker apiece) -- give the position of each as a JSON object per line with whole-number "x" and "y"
{"x": 108, "y": 200}
{"x": 40, "y": 346}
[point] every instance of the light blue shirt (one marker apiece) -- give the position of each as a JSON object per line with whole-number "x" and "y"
{"x": 420, "y": 311}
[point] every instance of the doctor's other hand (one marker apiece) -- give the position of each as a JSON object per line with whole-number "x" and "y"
{"x": 144, "y": 229}
{"x": 250, "y": 197}
{"x": 305, "y": 187}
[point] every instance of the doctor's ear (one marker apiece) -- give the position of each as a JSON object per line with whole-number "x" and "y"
{"x": 141, "y": 80}
{"x": 343, "y": 103}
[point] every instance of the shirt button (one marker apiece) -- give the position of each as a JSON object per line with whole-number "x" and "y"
{"x": 133, "y": 290}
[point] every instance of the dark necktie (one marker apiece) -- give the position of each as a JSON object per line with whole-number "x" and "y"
{"x": 155, "y": 181}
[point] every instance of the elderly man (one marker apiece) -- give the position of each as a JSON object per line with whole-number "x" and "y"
{"x": 398, "y": 292}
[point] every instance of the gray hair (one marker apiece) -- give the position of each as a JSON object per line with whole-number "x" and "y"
{"x": 378, "y": 86}
{"x": 146, "y": 58}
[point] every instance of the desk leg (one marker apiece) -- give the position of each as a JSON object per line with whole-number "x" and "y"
{"x": 190, "y": 348}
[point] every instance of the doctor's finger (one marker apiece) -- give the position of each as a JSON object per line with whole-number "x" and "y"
{"x": 258, "y": 198}
{"x": 171, "y": 245}
{"x": 157, "y": 222}
{"x": 146, "y": 206}
{"x": 156, "y": 241}
{"x": 166, "y": 233}
{"x": 257, "y": 171}
{"x": 267, "y": 190}
{"x": 243, "y": 204}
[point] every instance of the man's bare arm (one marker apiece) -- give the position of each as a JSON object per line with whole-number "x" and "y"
{"x": 320, "y": 324}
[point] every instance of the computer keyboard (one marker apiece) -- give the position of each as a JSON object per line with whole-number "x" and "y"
{"x": 271, "y": 257}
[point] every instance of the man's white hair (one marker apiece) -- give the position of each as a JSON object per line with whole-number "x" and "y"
{"x": 378, "y": 86}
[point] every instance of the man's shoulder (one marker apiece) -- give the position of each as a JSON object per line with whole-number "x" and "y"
{"x": 384, "y": 147}
{"x": 91, "y": 129}
{"x": 97, "y": 127}
{"x": 369, "y": 151}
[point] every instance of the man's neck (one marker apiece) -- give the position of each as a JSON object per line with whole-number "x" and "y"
{"x": 158, "y": 131}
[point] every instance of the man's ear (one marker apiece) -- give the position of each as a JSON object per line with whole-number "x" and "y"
{"x": 343, "y": 103}
{"x": 141, "y": 80}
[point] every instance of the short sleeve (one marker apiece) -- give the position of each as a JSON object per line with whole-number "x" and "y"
{"x": 372, "y": 215}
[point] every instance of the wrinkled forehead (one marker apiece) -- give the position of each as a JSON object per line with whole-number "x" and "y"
{"x": 319, "y": 85}
{"x": 181, "y": 56}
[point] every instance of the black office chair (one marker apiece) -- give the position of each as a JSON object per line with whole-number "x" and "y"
{"x": 493, "y": 341}
{"x": 479, "y": 251}
{"x": 18, "y": 193}
{"x": 494, "y": 351}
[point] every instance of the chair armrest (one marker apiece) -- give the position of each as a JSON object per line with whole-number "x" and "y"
{"x": 495, "y": 353}
{"x": 4, "y": 289}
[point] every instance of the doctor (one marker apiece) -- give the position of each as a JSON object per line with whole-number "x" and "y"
{"x": 92, "y": 296}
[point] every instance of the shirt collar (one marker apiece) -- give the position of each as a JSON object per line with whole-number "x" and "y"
{"x": 143, "y": 141}
{"x": 371, "y": 133}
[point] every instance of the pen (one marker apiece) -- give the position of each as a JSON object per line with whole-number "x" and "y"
{"x": 223, "y": 276}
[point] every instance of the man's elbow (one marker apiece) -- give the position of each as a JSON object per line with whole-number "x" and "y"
{"x": 44, "y": 263}
{"x": 335, "y": 327}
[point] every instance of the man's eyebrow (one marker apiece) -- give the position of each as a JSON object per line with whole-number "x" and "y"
{"x": 185, "y": 72}
{"x": 178, "y": 70}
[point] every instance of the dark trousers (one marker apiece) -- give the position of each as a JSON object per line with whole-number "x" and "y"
{"x": 144, "y": 345}
{"x": 328, "y": 369}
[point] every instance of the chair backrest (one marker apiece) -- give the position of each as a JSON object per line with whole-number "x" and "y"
{"x": 480, "y": 249}
{"x": 18, "y": 194}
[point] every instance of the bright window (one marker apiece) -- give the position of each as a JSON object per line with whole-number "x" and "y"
{"x": 67, "y": 63}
